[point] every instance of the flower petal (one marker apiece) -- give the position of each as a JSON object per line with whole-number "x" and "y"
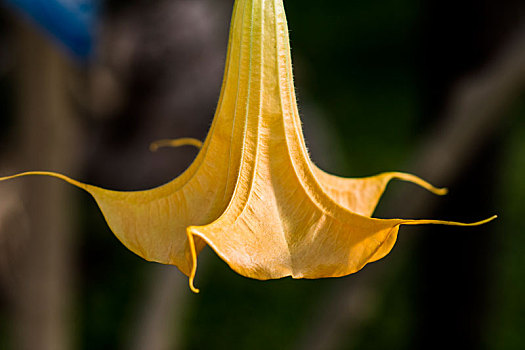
{"x": 361, "y": 195}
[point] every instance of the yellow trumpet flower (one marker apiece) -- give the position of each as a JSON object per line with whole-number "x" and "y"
{"x": 252, "y": 194}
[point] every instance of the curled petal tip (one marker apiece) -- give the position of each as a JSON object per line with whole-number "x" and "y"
{"x": 193, "y": 252}
{"x": 192, "y": 280}
{"x": 185, "y": 141}
{"x": 9, "y": 177}
{"x": 436, "y": 190}
{"x": 47, "y": 173}
{"x": 481, "y": 222}
{"x": 441, "y": 191}
{"x": 193, "y": 289}
{"x": 452, "y": 223}
{"x": 493, "y": 217}
{"x": 418, "y": 181}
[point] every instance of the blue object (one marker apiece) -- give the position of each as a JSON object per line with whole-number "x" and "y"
{"x": 71, "y": 22}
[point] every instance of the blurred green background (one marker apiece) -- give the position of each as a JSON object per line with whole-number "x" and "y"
{"x": 375, "y": 81}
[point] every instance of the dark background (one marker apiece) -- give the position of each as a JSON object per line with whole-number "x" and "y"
{"x": 377, "y": 82}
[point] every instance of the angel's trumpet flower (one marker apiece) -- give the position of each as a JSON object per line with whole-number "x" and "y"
{"x": 252, "y": 194}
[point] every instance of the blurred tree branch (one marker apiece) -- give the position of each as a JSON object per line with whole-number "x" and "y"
{"x": 474, "y": 114}
{"x": 153, "y": 80}
{"x": 47, "y": 139}
{"x": 13, "y": 218}
{"x": 158, "y": 326}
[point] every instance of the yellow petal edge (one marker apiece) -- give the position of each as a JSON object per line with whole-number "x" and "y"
{"x": 252, "y": 193}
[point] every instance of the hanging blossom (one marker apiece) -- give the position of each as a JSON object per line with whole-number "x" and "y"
{"x": 253, "y": 194}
